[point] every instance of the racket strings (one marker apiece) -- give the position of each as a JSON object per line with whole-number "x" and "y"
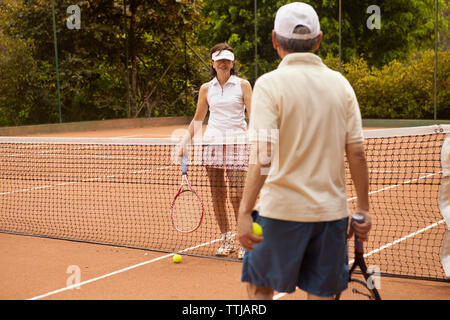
{"x": 187, "y": 211}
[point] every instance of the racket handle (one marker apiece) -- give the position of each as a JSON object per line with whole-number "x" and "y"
{"x": 183, "y": 165}
{"x": 358, "y": 218}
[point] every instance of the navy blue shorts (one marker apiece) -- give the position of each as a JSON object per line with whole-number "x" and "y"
{"x": 310, "y": 255}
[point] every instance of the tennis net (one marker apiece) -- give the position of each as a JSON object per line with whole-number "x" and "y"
{"x": 118, "y": 192}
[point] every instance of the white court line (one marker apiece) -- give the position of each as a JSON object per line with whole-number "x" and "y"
{"x": 84, "y": 180}
{"x": 151, "y": 136}
{"x": 75, "y": 156}
{"x": 276, "y": 297}
{"x": 77, "y": 285}
{"x": 400, "y": 172}
{"x": 404, "y": 238}
{"x": 398, "y": 185}
{"x": 282, "y": 294}
{"x": 132, "y": 136}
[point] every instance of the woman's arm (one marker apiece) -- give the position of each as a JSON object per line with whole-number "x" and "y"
{"x": 195, "y": 126}
{"x": 247, "y": 94}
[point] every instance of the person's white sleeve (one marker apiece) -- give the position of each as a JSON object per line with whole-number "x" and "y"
{"x": 354, "y": 133}
{"x": 264, "y": 114}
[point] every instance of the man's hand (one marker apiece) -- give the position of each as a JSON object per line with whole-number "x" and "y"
{"x": 361, "y": 230}
{"x": 245, "y": 232}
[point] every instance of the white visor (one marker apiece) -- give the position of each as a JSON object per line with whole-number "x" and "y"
{"x": 223, "y": 54}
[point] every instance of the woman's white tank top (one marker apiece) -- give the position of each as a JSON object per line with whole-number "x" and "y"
{"x": 226, "y": 109}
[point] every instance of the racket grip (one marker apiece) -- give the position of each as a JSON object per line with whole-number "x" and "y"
{"x": 183, "y": 165}
{"x": 358, "y": 218}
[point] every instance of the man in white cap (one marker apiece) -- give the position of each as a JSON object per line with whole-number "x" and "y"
{"x": 302, "y": 208}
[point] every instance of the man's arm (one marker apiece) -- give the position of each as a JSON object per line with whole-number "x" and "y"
{"x": 263, "y": 117}
{"x": 253, "y": 184}
{"x": 358, "y": 169}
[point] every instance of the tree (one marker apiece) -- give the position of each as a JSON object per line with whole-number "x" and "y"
{"x": 22, "y": 85}
{"x": 406, "y": 25}
{"x": 143, "y": 43}
{"x": 126, "y": 60}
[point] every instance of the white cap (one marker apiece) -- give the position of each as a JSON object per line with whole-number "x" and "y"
{"x": 293, "y": 14}
{"x": 223, "y": 54}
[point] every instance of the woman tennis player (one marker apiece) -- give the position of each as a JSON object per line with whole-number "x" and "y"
{"x": 227, "y": 97}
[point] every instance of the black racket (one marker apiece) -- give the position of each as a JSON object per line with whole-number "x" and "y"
{"x": 359, "y": 289}
{"x": 186, "y": 210}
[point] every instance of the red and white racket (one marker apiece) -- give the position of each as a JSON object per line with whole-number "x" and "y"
{"x": 186, "y": 210}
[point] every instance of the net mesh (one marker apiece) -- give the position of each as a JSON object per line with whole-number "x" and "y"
{"x": 119, "y": 191}
{"x": 405, "y": 176}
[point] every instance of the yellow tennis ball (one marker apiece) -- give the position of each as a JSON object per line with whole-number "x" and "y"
{"x": 257, "y": 230}
{"x": 176, "y": 258}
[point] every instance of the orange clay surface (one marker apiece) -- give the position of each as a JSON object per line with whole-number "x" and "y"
{"x": 40, "y": 268}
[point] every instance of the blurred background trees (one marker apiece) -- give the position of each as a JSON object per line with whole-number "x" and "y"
{"x": 148, "y": 58}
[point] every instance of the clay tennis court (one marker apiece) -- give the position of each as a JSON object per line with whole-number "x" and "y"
{"x": 41, "y": 268}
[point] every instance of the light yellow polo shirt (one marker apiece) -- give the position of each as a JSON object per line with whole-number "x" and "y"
{"x": 316, "y": 112}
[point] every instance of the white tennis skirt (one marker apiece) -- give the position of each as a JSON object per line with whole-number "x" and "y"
{"x": 226, "y": 156}
{"x": 225, "y": 152}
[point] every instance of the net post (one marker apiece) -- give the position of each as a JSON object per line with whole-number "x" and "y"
{"x": 444, "y": 206}
{"x": 436, "y": 58}
{"x": 56, "y": 61}
{"x": 340, "y": 35}
{"x": 256, "y": 39}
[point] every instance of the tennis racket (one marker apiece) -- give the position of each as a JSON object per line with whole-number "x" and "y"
{"x": 186, "y": 210}
{"x": 359, "y": 289}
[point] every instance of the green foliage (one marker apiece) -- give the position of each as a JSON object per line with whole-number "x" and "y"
{"x": 232, "y": 21}
{"x": 149, "y": 58}
{"x": 124, "y": 61}
{"x": 406, "y": 25}
{"x": 23, "y": 98}
{"x": 400, "y": 90}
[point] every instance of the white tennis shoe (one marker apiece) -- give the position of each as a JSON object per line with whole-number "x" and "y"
{"x": 241, "y": 253}
{"x": 226, "y": 246}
